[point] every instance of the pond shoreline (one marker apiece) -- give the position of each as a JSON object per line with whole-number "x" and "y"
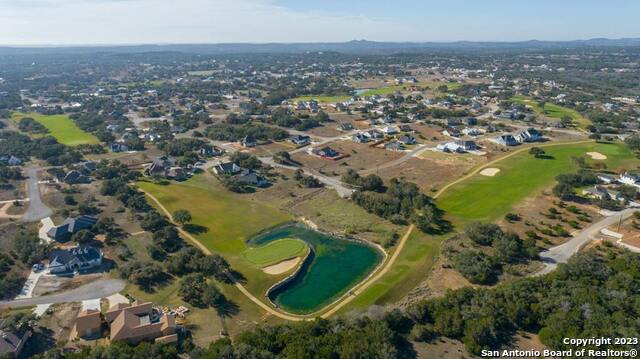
{"x": 279, "y": 287}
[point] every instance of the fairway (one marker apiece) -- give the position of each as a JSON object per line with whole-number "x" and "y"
{"x": 482, "y": 198}
{"x": 552, "y": 110}
{"x": 61, "y": 127}
{"x": 275, "y": 252}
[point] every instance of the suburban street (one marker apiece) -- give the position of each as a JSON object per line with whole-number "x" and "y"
{"x": 562, "y": 253}
{"x": 36, "y": 210}
{"x": 98, "y": 289}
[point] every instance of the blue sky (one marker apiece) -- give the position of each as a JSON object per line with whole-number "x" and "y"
{"x": 47, "y": 22}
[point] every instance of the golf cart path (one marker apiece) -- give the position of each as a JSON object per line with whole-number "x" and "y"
{"x": 336, "y": 305}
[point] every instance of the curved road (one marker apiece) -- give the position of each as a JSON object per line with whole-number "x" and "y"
{"x": 562, "y": 253}
{"x": 37, "y": 210}
{"x": 97, "y": 289}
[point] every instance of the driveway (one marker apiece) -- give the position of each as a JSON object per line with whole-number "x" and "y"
{"x": 98, "y": 289}
{"x": 562, "y": 253}
{"x": 37, "y": 210}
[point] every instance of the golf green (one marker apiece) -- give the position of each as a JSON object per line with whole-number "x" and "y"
{"x": 334, "y": 266}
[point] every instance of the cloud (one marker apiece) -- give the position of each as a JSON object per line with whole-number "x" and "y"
{"x": 171, "y": 21}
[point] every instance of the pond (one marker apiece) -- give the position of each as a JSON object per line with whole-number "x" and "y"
{"x": 333, "y": 267}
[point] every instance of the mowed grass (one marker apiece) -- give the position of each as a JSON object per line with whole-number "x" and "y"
{"x": 381, "y": 91}
{"x": 61, "y": 127}
{"x": 482, "y": 198}
{"x": 275, "y": 252}
{"x": 552, "y": 110}
{"x": 230, "y": 219}
{"x": 322, "y": 98}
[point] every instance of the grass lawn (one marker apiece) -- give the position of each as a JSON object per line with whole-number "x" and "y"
{"x": 61, "y": 127}
{"x": 229, "y": 220}
{"x": 275, "y": 252}
{"x": 482, "y": 198}
{"x": 552, "y": 110}
{"x": 402, "y": 87}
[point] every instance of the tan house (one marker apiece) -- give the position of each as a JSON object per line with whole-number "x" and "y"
{"x": 88, "y": 324}
{"x": 138, "y": 321}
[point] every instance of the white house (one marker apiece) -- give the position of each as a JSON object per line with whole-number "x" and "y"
{"x": 630, "y": 179}
{"x": 78, "y": 258}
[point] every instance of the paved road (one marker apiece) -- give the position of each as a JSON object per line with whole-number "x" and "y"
{"x": 562, "y": 253}
{"x": 98, "y": 289}
{"x": 37, "y": 210}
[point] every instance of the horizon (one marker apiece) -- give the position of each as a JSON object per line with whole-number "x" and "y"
{"x": 135, "y": 22}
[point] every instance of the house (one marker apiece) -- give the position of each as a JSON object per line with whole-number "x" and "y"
{"x": 12, "y": 342}
{"x": 472, "y": 131}
{"x": 226, "y": 168}
{"x": 176, "y": 173}
{"x": 389, "y": 130}
{"x": 606, "y": 179}
{"x": 452, "y": 122}
{"x": 326, "y": 152}
{"x": 506, "y": 140}
{"x": 88, "y": 324}
{"x": 252, "y": 178}
{"x": 63, "y": 232}
{"x": 75, "y": 177}
{"x": 118, "y": 147}
{"x": 11, "y": 160}
{"x": 450, "y": 147}
{"x": 160, "y": 166}
{"x": 467, "y": 145}
{"x": 248, "y": 141}
{"x": 394, "y": 146}
{"x": 472, "y": 121}
{"x": 210, "y": 151}
{"x": 139, "y": 322}
{"x": 74, "y": 259}
{"x": 452, "y": 132}
{"x": 528, "y": 135}
{"x": 407, "y": 140}
{"x": 630, "y": 179}
{"x": 300, "y": 140}
{"x": 373, "y": 134}
{"x": 345, "y": 127}
{"x": 360, "y": 138}
{"x": 597, "y": 192}
{"x": 405, "y": 128}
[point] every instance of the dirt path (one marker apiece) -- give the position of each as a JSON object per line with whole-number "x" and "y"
{"x": 336, "y": 305}
{"x": 490, "y": 163}
{"x": 377, "y": 276}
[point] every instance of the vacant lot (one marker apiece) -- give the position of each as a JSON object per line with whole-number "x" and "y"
{"x": 61, "y": 127}
{"x": 552, "y": 110}
{"x": 275, "y": 252}
{"x": 482, "y": 198}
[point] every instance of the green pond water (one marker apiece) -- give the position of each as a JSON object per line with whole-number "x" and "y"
{"x": 335, "y": 266}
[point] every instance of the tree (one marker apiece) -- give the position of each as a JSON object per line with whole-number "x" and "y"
{"x": 168, "y": 239}
{"x": 83, "y": 236}
{"x": 483, "y": 233}
{"x": 182, "y": 216}
{"x": 537, "y": 152}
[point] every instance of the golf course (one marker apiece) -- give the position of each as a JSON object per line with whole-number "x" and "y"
{"x": 61, "y": 127}
{"x": 552, "y": 110}
{"x": 487, "y": 198}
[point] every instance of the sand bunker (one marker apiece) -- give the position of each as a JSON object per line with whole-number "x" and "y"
{"x": 282, "y": 267}
{"x": 597, "y": 155}
{"x": 489, "y": 172}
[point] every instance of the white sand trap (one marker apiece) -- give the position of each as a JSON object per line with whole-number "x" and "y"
{"x": 282, "y": 267}
{"x": 597, "y": 155}
{"x": 489, "y": 172}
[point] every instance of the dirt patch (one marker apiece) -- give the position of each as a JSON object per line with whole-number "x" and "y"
{"x": 490, "y": 172}
{"x": 597, "y": 156}
{"x": 282, "y": 267}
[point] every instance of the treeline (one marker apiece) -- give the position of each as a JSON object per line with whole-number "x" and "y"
{"x": 401, "y": 203}
{"x": 45, "y": 148}
{"x": 229, "y": 132}
{"x": 496, "y": 249}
